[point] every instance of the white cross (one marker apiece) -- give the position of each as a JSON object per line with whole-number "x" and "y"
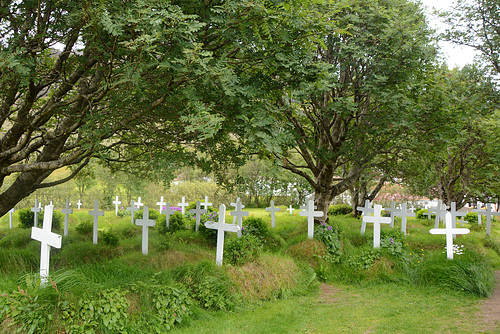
{"x": 161, "y": 203}
{"x": 310, "y": 214}
{"x": 197, "y": 213}
{"x": 455, "y": 214}
{"x": 234, "y": 204}
{"x": 393, "y": 211}
{"x": 403, "y": 214}
{"x": 145, "y": 222}
{"x": 377, "y": 219}
{"x": 238, "y": 214}
{"x": 366, "y": 210}
{"x": 96, "y": 213}
{"x": 449, "y": 231}
{"x": 48, "y": 239}
{"x": 36, "y": 209}
{"x": 205, "y": 204}
{"x": 304, "y": 207}
{"x": 138, "y": 204}
{"x": 440, "y": 213}
{"x": 116, "y": 202}
{"x": 183, "y": 205}
{"x": 52, "y": 205}
{"x": 429, "y": 213}
{"x": 132, "y": 210}
{"x": 221, "y": 227}
{"x": 290, "y": 209}
{"x": 11, "y": 211}
{"x": 478, "y": 210}
{"x": 168, "y": 211}
{"x": 67, "y": 211}
{"x": 272, "y": 209}
{"x": 488, "y": 213}
{"x": 79, "y": 204}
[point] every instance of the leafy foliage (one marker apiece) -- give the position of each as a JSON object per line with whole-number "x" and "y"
{"x": 339, "y": 209}
{"x": 27, "y": 218}
{"x": 239, "y": 251}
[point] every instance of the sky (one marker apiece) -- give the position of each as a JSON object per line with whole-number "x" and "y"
{"x": 455, "y": 55}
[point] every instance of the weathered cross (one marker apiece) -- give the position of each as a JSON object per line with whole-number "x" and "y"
{"x": 290, "y": 209}
{"x": 404, "y": 213}
{"x": 488, "y": 213}
{"x": 168, "y": 211}
{"x": 366, "y": 210}
{"x": 234, "y": 204}
{"x": 48, "y": 239}
{"x": 132, "y": 210}
{"x": 145, "y": 222}
{"x": 36, "y": 209}
{"x": 310, "y": 214}
{"x": 449, "y": 231}
{"x": 393, "y": 210}
{"x": 197, "y": 213}
{"x": 11, "y": 211}
{"x": 138, "y": 204}
{"x": 205, "y": 204}
{"x": 238, "y": 214}
{"x": 455, "y": 214}
{"x": 183, "y": 205}
{"x": 440, "y": 213}
{"x": 79, "y": 204}
{"x": 67, "y": 211}
{"x": 377, "y": 219}
{"x": 273, "y": 209}
{"x": 116, "y": 202}
{"x": 161, "y": 203}
{"x": 96, "y": 213}
{"x": 221, "y": 227}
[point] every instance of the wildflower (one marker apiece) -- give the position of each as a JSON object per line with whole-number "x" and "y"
{"x": 418, "y": 261}
{"x": 329, "y": 228}
{"x": 392, "y": 241}
{"x": 410, "y": 253}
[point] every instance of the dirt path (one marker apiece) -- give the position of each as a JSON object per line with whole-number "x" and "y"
{"x": 490, "y": 309}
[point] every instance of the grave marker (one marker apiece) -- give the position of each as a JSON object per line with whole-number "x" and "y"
{"x": 272, "y": 209}
{"x": 377, "y": 219}
{"x": 36, "y": 209}
{"x": 116, "y": 202}
{"x": 366, "y": 210}
{"x": 221, "y": 227}
{"x": 138, "y": 204}
{"x": 238, "y": 214}
{"x": 393, "y": 211}
{"x": 310, "y": 214}
{"x": 132, "y": 210}
{"x": 206, "y": 204}
{"x": 429, "y": 213}
{"x": 440, "y": 213}
{"x": 79, "y": 204}
{"x": 478, "y": 210}
{"x": 290, "y": 209}
{"x": 234, "y": 204}
{"x": 161, "y": 203}
{"x": 449, "y": 231}
{"x": 48, "y": 239}
{"x": 488, "y": 213}
{"x": 96, "y": 213}
{"x": 455, "y": 214}
{"x": 403, "y": 214}
{"x": 168, "y": 211}
{"x": 183, "y": 205}
{"x": 197, "y": 213}
{"x": 67, "y": 211}
{"x": 11, "y": 211}
{"x": 145, "y": 222}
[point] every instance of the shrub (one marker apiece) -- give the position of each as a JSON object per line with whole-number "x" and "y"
{"x": 208, "y": 233}
{"x": 153, "y": 214}
{"x": 339, "y": 209}
{"x": 255, "y": 226}
{"x": 85, "y": 227}
{"x": 177, "y": 222}
{"x": 330, "y": 237}
{"x": 420, "y": 214}
{"x": 108, "y": 237}
{"x": 27, "y": 218}
{"x": 239, "y": 251}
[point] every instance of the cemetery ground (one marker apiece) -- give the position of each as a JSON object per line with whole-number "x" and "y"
{"x": 272, "y": 280}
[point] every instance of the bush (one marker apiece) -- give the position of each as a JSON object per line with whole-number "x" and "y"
{"x": 85, "y": 227}
{"x": 239, "y": 251}
{"x": 153, "y": 214}
{"x": 27, "y": 219}
{"x": 339, "y": 209}
{"x": 330, "y": 237}
{"x": 255, "y": 226}
{"x": 420, "y": 214}
{"x": 108, "y": 237}
{"x": 177, "y": 222}
{"x": 208, "y": 233}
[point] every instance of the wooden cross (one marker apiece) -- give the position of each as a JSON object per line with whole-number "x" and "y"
{"x": 238, "y": 214}
{"x": 455, "y": 214}
{"x": 393, "y": 212}
{"x": 304, "y": 207}
{"x": 138, "y": 204}
{"x": 48, "y": 239}
{"x": 206, "y": 204}
{"x": 488, "y": 213}
{"x": 79, "y": 204}
{"x": 478, "y": 210}
{"x": 449, "y": 231}
{"x": 36, "y": 209}
{"x": 310, "y": 214}
{"x": 132, "y": 210}
{"x": 183, "y": 205}
{"x": 197, "y": 213}
{"x": 96, "y": 213}
{"x": 116, "y": 202}
{"x": 161, "y": 203}
{"x": 272, "y": 209}
{"x": 67, "y": 211}
{"x": 11, "y": 211}
{"x": 403, "y": 214}
{"x": 145, "y": 222}
{"x": 290, "y": 209}
{"x": 377, "y": 219}
{"x": 168, "y": 211}
{"x": 221, "y": 227}
{"x": 440, "y": 213}
{"x": 366, "y": 210}
{"x": 234, "y": 204}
